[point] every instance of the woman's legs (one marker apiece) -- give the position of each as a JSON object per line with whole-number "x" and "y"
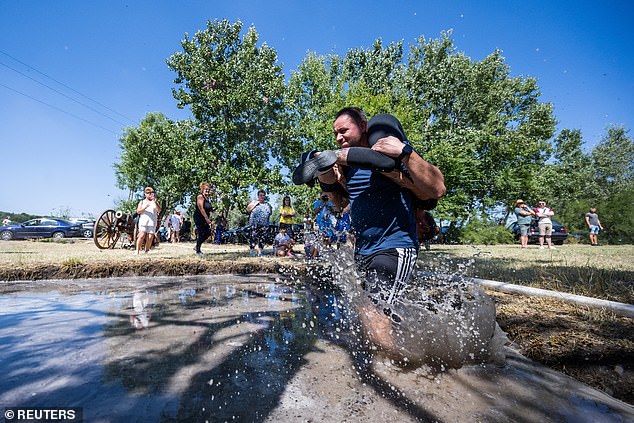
{"x": 140, "y": 241}
{"x": 202, "y": 233}
{"x": 149, "y": 239}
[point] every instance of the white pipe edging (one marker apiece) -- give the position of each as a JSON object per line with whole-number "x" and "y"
{"x": 619, "y": 309}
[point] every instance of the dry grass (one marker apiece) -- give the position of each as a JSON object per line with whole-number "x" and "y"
{"x": 602, "y": 272}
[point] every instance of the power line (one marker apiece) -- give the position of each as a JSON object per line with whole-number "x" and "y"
{"x": 66, "y": 86}
{"x": 57, "y": 108}
{"x": 62, "y": 94}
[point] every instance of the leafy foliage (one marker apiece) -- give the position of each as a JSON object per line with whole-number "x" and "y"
{"x": 164, "y": 155}
{"x": 235, "y": 91}
{"x": 479, "y": 231}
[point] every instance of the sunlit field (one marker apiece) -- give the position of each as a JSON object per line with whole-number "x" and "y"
{"x": 604, "y": 272}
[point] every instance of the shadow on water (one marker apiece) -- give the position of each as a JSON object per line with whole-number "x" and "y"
{"x": 173, "y": 350}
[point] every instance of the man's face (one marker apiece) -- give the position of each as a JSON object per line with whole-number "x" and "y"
{"x": 347, "y": 132}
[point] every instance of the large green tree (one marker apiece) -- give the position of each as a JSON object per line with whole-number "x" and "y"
{"x": 234, "y": 89}
{"x": 573, "y": 181}
{"x": 613, "y": 162}
{"x": 165, "y": 155}
{"x": 487, "y": 131}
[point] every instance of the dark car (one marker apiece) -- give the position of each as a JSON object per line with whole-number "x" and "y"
{"x": 87, "y": 229}
{"x": 45, "y": 227}
{"x": 87, "y": 226}
{"x": 558, "y": 235}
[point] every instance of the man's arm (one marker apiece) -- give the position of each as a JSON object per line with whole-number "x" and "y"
{"x": 427, "y": 182}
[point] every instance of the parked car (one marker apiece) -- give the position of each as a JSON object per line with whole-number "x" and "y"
{"x": 87, "y": 226}
{"x": 559, "y": 234}
{"x": 45, "y": 227}
{"x": 87, "y": 229}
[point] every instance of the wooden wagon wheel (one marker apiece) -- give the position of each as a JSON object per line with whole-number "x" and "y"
{"x": 106, "y": 234}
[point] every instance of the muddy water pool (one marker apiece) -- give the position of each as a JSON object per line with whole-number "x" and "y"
{"x": 245, "y": 348}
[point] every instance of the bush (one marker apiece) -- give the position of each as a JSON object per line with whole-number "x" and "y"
{"x": 486, "y": 233}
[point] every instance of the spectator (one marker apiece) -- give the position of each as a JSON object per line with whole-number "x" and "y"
{"x": 544, "y": 224}
{"x": 283, "y": 244}
{"x": 176, "y": 220}
{"x": 287, "y": 213}
{"x": 202, "y": 213}
{"x": 342, "y": 226}
{"x": 186, "y": 230}
{"x": 524, "y": 216}
{"x": 325, "y": 218}
{"x": 308, "y": 223}
{"x": 6, "y": 221}
{"x": 259, "y": 215}
{"x": 221, "y": 224}
{"x": 594, "y": 225}
{"x": 148, "y": 210}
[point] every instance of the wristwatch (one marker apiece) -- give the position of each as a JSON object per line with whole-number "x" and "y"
{"x": 406, "y": 151}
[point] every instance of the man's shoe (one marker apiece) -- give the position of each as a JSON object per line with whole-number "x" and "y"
{"x": 314, "y": 167}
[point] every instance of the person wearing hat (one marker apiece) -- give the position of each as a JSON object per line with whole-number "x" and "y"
{"x": 524, "y": 216}
{"x": 148, "y": 210}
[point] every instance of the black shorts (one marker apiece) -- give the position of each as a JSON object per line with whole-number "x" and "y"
{"x": 387, "y": 272}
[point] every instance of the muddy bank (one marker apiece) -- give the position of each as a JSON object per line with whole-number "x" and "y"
{"x": 150, "y": 267}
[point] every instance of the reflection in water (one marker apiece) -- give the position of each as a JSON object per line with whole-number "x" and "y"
{"x": 140, "y": 318}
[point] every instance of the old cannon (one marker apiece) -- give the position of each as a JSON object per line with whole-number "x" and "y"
{"x": 109, "y": 227}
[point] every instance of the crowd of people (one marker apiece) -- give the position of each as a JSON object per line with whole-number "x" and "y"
{"x": 541, "y": 214}
{"x": 375, "y": 186}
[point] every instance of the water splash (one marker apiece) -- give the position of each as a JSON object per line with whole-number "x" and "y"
{"x": 444, "y": 322}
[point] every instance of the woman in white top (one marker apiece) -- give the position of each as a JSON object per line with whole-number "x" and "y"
{"x": 148, "y": 210}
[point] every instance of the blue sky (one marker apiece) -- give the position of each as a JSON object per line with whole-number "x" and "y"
{"x": 105, "y": 61}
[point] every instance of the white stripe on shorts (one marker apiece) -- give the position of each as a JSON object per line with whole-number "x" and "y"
{"x": 405, "y": 267}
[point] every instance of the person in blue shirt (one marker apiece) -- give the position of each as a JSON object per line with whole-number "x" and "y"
{"x": 325, "y": 217}
{"x": 259, "y": 216}
{"x": 384, "y": 179}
